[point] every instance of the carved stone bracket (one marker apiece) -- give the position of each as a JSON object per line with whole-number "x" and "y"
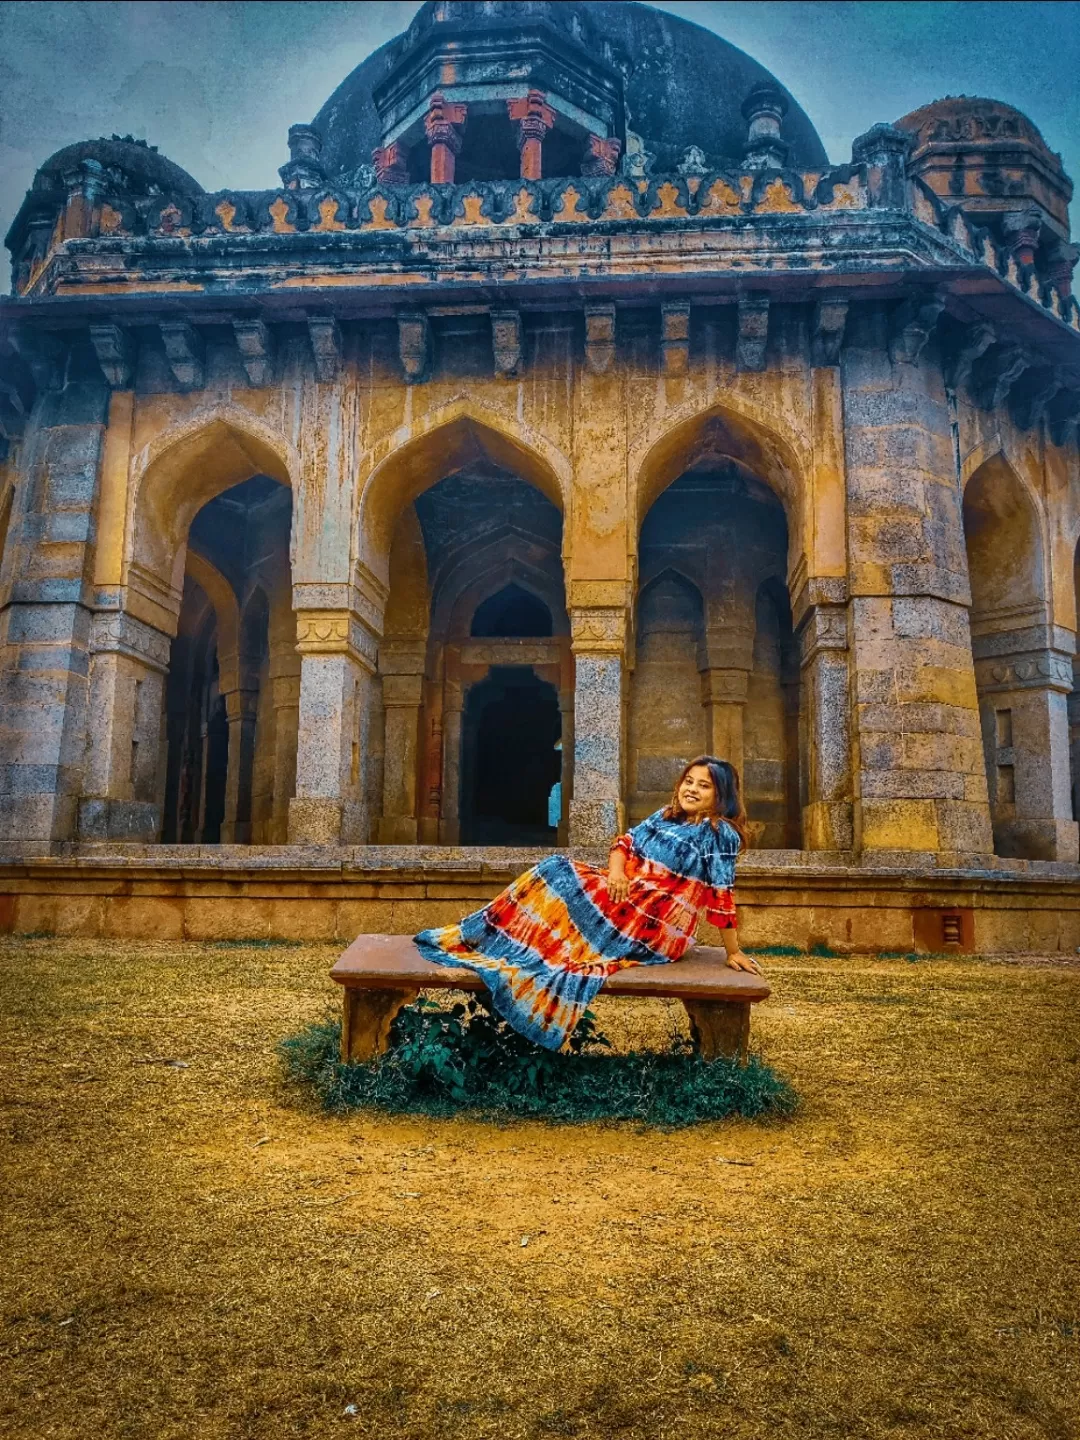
{"x": 975, "y": 342}
{"x": 414, "y": 344}
{"x": 404, "y": 691}
{"x": 753, "y": 332}
{"x": 115, "y": 633}
{"x": 184, "y": 351}
{"x": 911, "y": 325}
{"x": 336, "y": 632}
{"x": 675, "y": 337}
{"x": 325, "y": 335}
{"x": 1036, "y": 670}
{"x": 599, "y": 338}
{"x": 825, "y": 627}
{"x": 1064, "y": 417}
{"x": 1030, "y": 400}
{"x": 506, "y": 341}
{"x": 115, "y": 352}
{"x": 255, "y": 343}
{"x": 997, "y": 372}
{"x": 830, "y": 320}
{"x": 598, "y": 631}
{"x": 724, "y": 686}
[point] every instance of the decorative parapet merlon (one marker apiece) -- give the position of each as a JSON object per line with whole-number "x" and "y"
{"x": 393, "y": 214}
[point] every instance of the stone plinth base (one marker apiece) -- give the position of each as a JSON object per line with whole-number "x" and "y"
{"x": 315, "y": 821}
{"x": 1048, "y": 839}
{"x": 137, "y": 820}
{"x": 786, "y": 898}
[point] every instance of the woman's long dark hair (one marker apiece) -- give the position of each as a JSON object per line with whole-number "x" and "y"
{"x": 729, "y": 803}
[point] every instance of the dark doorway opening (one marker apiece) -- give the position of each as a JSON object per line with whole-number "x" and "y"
{"x": 511, "y": 727}
{"x": 512, "y": 611}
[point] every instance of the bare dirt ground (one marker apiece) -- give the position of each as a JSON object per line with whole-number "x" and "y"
{"x": 189, "y": 1253}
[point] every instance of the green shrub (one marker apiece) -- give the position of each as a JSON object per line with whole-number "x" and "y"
{"x": 441, "y": 1061}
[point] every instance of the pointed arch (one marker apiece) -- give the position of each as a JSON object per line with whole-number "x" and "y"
{"x": 1005, "y": 539}
{"x": 450, "y": 438}
{"x": 182, "y": 469}
{"x": 736, "y": 430}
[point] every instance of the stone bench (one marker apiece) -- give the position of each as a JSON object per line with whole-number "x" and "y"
{"x": 379, "y": 974}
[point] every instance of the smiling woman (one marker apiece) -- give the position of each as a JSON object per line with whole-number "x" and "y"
{"x": 545, "y": 946}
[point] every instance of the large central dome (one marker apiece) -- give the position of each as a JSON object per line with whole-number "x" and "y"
{"x": 677, "y": 84}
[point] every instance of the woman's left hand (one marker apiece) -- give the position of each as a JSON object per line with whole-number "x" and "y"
{"x": 739, "y": 960}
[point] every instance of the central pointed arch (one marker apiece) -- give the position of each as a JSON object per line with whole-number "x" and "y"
{"x": 451, "y": 439}
{"x": 726, "y": 431}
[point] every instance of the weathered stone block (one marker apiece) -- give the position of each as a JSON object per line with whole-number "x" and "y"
{"x": 137, "y": 917}
{"x": 238, "y": 919}
{"x": 912, "y": 784}
{"x": 58, "y": 914}
{"x": 922, "y": 618}
{"x": 909, "y": 824}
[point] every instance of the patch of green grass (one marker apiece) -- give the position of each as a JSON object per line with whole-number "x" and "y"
{"x": 441, "y": 1062}
{"x": 786, "y": 952}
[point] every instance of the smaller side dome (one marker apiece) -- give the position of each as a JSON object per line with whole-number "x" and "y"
{"x": 989, "y": 158}
{"x": 117, "y": 163}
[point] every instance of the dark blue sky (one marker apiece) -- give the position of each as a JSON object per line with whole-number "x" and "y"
{"x": 216, "y": 85}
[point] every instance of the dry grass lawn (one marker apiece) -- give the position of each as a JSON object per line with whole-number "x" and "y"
{"x": 189, "y": 1253}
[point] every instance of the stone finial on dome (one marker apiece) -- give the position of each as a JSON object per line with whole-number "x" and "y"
{"x": 764, "y": 110}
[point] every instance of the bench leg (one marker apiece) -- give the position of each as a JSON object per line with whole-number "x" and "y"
{"x": 366, "y": 1019}
{"x": 719, "y": 1027}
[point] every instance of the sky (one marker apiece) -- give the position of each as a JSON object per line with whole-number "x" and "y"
{"x": 215, "y": 84}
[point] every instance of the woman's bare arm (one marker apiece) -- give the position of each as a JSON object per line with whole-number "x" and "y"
{"x": 617, "y": 883}
{"x": 737, "y": 958}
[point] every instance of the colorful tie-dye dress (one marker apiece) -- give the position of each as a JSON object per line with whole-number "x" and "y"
{"x": 546, "y": 945}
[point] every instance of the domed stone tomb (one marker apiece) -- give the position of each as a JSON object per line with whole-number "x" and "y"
{"x": 564, "y": 413}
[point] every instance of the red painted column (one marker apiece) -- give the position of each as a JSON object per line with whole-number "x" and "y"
{"x": 601, "y": 155}
{"x": 534, "y": 119}
{"x": 441, "y": 128}
{"x": 390, "y": 167}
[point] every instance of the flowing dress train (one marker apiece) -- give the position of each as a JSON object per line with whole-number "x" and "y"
{"x": 547, "y": 943}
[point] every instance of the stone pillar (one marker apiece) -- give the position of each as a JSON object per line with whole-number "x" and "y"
{"x": 241, "y": 708}
{"x": 450, "y": 808}
{"x": 566, "y": 708}
{"x": 402, "y": 696}
{"x": 919, "y": 782}
{"x": 1024, "y": 709}
{"x": 121, "y": 798}
{"x": 723, "y": 694}
{"x": 597, "y": 810}
{"x": 45, "y": 625}
{"x": 337, "y": 653}
{"x": 534, "y": 119}
{"x": 285, "y": 694}
{"x": 1074, "y": 736}
{"x": 441, "y": 126}
{"x": 827, "y": 813}
{"x": 725, "y": 681}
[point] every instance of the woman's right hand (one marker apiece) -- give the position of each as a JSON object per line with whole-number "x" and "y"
{"x": 617, "y": 884}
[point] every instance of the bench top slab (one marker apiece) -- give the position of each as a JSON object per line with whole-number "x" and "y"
{"x": 392, "y": 962}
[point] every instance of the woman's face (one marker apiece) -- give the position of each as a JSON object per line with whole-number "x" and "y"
{"x": 697, "y": 793}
